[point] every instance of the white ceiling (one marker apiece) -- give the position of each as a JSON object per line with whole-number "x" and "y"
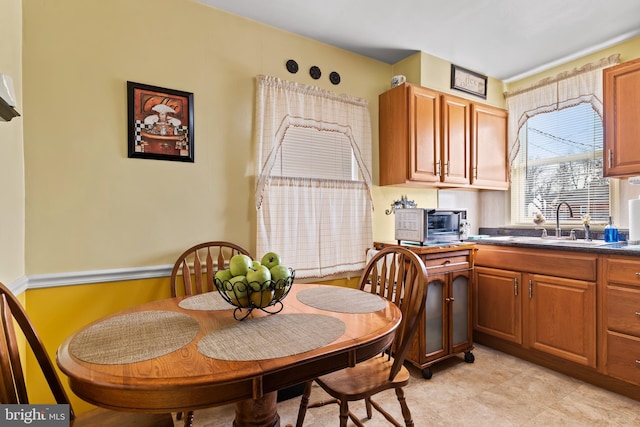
{"x": 504, "y": 39}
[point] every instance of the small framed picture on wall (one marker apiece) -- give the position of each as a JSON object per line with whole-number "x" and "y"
{"x": 160, "y": 123}
{"x": 468, "y": 81}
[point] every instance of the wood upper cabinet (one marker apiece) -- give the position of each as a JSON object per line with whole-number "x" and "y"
{"x": 621, "y": 92}
{"x": 426, "y": 139}
{"x": 409, "y": 135}
{"x": 489, "y": 162}
{"x": 455, "y": 159}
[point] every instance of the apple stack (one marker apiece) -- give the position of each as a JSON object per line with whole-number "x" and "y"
{"x": 254, "y": 284}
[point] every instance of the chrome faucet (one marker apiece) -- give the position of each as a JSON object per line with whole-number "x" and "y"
{"x": 558, "y": 229}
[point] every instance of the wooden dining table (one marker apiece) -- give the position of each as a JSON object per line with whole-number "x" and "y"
{"x": 188, "y": 353}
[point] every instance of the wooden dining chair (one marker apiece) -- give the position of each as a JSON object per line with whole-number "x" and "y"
{"x": 13, "y": 388}
{"x": 399, "y": 275}
{"x": 193, "y": 271}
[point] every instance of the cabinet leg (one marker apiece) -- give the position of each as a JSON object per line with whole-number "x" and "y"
{"x": 469, "y": 357}
{"x": 427, "y": 373}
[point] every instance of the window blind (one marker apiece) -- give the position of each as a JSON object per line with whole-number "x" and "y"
{"x": 561, "y": 160}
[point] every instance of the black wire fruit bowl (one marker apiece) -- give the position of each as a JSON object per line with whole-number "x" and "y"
{"x": 247, "y": 296}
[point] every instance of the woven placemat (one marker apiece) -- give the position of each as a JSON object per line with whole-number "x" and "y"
{"x": 206, "y": 301}
{"x": 270, "y": 337}
{"x": 341, "y": 300}
{"x": 134, "y": 337}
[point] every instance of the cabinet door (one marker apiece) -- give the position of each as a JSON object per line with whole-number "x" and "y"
{"x": 621, "y": 119}
{"x": 489, "y": 163}
{"x": 436, "y": 329}
{"x": 498, "y": 303}
{"x": 455, "y": 140}
{"x": 424, "y": 135}
{"x": 460, "y": 312}
{"x": 561, "y": 316}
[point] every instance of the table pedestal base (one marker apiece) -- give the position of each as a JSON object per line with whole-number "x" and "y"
{"x": 261, "y": 412}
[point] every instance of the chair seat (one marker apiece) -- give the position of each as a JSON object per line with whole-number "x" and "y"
{"x": 364, "y": 379}
{"x": 105, "y": 418}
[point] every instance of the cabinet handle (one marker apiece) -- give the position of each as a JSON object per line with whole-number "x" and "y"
{"x": 450, "y": 299}
{"x": 638, "y": 273}
{"x": 637, "y": 313}
{"x": 530, "y": 289}
{"x": 515, "y": 286}
{"x": 438, "y": 168}
{"x": 638, "y": 362}
{"x": 610, "y": 158}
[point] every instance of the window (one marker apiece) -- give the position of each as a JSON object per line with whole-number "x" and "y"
{"x": 313, "y": 179}
{"x": 560, "y": 159}
{"x": 312, "y": 153}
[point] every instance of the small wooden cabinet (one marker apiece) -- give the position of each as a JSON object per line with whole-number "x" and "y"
{"x": 539, "y": 303}
{"x": 434, "y": 139}
{"x": 446, "y": 329}
{"x": 621, "y": 91}
{"x": 489, "y": 161}
{"x": 622, "y": 318}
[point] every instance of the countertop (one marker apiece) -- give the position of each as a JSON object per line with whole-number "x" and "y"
{"x": 580, "y": 245}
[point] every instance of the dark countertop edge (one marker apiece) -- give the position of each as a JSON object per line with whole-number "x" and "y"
{"x": 604, "y": 250}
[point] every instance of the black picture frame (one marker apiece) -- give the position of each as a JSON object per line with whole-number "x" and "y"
{"x": 468, "y": 81}
{"x": 160, "y": 123}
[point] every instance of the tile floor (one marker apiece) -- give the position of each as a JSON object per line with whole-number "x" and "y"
{"x": 497, "y": 390}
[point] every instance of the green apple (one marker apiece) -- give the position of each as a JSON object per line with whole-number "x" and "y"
{"x": 238, "y": 285}
{"x": 259, "y": 278}
{"x": 255, "y": 264}
{"x": 262, "y": 298}
{"x": 222, "y": 278}
{"x": 239, "y": 264}
{"x": 238, "y": 301}
{"x": 270, "y": 260}
{"x": 280, "y": 274}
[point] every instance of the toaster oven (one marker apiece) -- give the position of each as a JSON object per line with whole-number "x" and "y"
{"x": 426, "y": 226}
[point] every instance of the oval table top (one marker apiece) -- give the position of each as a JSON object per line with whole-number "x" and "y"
{"x": 189, "y": 352}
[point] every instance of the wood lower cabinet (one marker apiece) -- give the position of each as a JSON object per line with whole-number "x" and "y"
{"x": 533, "y": 305}
{"x": 446, "y": 329}
{"x": 621, "y": 91}
{"x": 621, "y": 301}
{"x": 498, "y": 303}
{"x": 560, "y": 317}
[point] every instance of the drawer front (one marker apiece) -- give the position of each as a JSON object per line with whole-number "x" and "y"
{"x": 625, "y": 271}
{"x": 444, "y": 265}
{"x": 623, "y": 310}
{"x": 571, "y": 265}
{"x": 623, "y": 357}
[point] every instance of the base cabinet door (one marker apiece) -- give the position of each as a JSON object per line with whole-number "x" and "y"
{"x": 562, "y": 318}
{"x": 446, "y": 329}
{"x": 498, "y": 303}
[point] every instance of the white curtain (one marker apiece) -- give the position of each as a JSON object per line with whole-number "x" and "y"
{"x": 320, "y": 227}
{"x": 566, "y": 90}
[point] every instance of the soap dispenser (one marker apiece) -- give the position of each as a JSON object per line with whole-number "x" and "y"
{"x": 610, "y": 232}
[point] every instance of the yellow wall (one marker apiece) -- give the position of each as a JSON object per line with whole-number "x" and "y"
{"x": 12, "y": 193}
{"x": 89, "y": 206}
